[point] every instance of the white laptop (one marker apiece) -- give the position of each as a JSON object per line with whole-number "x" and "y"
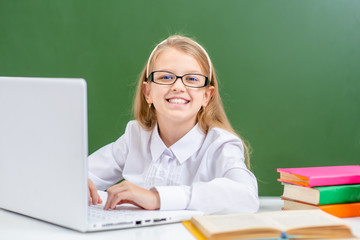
{"x": 43, "y": 158}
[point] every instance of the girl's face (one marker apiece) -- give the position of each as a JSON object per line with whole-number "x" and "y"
{"x": 177, "y": 103}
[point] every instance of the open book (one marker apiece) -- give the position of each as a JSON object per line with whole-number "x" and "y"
{"x": 278, "y": 224}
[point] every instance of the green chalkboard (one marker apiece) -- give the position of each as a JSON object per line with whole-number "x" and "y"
{"x": 289, "y": 71}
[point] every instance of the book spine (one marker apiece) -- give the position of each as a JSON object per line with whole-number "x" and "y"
{"x": 339, "y": 194}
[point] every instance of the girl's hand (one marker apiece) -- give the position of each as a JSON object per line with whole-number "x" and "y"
{"x": 94, "y": 197}
{"x": 127, "y": 192}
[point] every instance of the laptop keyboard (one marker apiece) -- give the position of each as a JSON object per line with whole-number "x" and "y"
{"x": 96, "y": 212}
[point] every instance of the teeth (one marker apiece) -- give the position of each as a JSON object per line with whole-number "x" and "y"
{"x": 177, "y": 100}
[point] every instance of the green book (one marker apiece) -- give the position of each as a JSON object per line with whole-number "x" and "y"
{"x": 323, "y": 195}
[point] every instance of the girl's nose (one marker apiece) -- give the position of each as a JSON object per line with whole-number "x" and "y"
{"x": 178, "y": 85}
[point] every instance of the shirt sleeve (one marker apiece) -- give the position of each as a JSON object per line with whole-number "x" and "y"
{"x": 106, "y": 164}
{"x": 222, "y": 196}
{"x": 231, "y": 189}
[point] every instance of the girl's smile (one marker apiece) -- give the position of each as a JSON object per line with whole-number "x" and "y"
{"x": 177, "y": 100}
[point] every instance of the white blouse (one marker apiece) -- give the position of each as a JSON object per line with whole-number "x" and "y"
{"x": 204, "y": 172}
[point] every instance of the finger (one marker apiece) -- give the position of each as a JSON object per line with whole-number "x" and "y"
{"x": 112, "y": 191}
{"x": 99, "y": 199}
{"x": 108, "y": 201}
{"x": 94, "y": 199}
{"x": 94, "y": 196}
{"x": 130, "y": 202}
{"x": 89, "y": 197}
{"x": 119, "y": 198}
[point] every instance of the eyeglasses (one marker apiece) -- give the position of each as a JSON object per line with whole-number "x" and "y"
{"x": 192, "y": 80}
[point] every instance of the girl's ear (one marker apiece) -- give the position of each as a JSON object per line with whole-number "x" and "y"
{"x": 146, "y": 91}
{"x": 207, "y": 96}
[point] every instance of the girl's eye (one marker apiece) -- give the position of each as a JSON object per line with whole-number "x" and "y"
{"x": 192, "y": 78}
{"x": 166, "y": 77}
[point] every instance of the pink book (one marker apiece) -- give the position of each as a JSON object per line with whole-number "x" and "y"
{"x": 320, "y": 176}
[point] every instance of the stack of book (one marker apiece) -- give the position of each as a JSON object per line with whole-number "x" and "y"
{"x": 333, "y": 189}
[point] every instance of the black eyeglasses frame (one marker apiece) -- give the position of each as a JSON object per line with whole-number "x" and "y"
{"x": 151, "y": 78}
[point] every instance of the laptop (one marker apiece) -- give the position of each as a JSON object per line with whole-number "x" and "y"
{"x": 43, "y": 158}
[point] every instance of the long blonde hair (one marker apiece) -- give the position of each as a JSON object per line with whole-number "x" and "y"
{"x": 213, "y": 116}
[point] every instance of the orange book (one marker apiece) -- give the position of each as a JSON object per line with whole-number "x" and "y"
{"x": 342, "y": 210}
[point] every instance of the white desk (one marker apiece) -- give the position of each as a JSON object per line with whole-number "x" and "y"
{"x": 15, "y": 226}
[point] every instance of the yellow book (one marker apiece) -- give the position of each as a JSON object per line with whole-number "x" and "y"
{"x": 197, "y": 234}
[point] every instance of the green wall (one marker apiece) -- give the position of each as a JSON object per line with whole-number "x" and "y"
{"x": 289, "y": 71}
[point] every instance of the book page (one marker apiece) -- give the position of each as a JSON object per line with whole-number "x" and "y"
{"x": 228, "y": 223}
{"x": 291, "y": 219}
{"x": 293, "y": 177}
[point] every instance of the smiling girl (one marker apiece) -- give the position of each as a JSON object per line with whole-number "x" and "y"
{"x": 181, "y": 151}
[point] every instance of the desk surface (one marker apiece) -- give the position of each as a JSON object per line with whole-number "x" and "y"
{"x": 15, "y": 226}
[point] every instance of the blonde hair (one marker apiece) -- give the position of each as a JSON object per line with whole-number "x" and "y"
{"x": 213, "y": 116}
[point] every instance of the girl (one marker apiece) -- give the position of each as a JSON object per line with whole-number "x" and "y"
{"x": 181, "y": 151}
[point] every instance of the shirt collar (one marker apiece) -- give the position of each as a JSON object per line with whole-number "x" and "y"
{"x": 182, "y": 149}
